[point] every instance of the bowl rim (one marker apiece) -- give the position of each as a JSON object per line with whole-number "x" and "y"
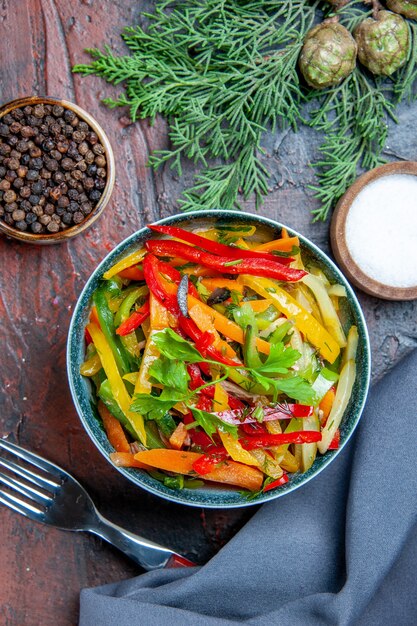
{"x": 89, "y": 220}
{"x": 339, "y": 244}
{"x": 218, "y": 213}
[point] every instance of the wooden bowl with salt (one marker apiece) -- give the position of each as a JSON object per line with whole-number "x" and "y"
{"x": 373, "y": 232}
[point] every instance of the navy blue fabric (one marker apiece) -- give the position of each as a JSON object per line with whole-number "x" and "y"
{"x": 341, "y": 550}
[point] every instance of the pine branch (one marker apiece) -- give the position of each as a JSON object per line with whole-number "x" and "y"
{"x": 224, "y": 71}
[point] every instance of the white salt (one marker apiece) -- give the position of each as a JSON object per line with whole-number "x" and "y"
{"x": 381, "y": 230}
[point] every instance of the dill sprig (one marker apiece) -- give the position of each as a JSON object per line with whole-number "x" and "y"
{"x": 223, "y": 72}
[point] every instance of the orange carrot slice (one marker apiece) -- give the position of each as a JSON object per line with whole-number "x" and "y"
{"x": 127, "y": 459}
{"x": 113, "y": 428}
{"x": 228, "y": 472}
{"x": 326, "y": 404}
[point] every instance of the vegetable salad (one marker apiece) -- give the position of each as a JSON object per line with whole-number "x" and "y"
{"x": 219, "y": 359}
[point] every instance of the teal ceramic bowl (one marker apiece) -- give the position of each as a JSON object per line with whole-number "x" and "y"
{"x": 214, "y": 497}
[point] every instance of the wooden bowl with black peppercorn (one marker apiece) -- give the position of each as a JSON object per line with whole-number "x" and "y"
{"x": 56, "y": 170}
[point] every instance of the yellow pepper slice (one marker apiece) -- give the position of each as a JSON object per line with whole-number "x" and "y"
{"x": 116, "y": 383}
{"x": 128, "y": 261}
{"x": 236, "y": 451}
{"x": 226, "y": 327}
{"x": 150, "y": 354}
{"x": 91, "y": 366}
{"x": 221, "y": 399}
{"x": 131, "y": 377}
{"x": 315, "y": 333}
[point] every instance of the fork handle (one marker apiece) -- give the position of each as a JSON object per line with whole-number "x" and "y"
{"x": 145, "y": 553}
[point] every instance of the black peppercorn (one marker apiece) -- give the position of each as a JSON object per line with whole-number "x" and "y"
{"x": 86, "y": 208}
{"x": 33, "y": 198}
{"x": 10, "y": 175}
{"x": 100, "y": 183}
{"x": 4, "y": 130}
{"x": 39, "y": 111}
{"x": 92, "y": 169}
{"x": 15, "y": 127}
{"x": 67, "y": 164}
{"x": 5, "y": 149}
{"x": 17, "y": 114}
{"x": 27, "y": 131}
{"x": 18, "y": 215}
{"x": 36, "y": 164}
{"x": 36, "y": 228}
{"x": 67, "y": 218}
{"x": 45, "y": 174}
{"x": 69, "y": 115}
{"x": 53, "y": 227}
{"x": 30, "y": 218}
{"x": 94, "y": 195}
{"x": 57, "y": 110}
{"x": 21, "y": 225}
{"x": 48, "y": 145}
{"x": 51, "y": 165}
{"x": 92, "y": 138}
{"x": 25, "y": 192}
{"x": 32, "y": 175}
{"x": 35, "y": 152}
{"x": 13, "y": 163}
{"x": 9, "y": 196}
{"x": 73, "y": 194}
{"x": 55, "y": 154}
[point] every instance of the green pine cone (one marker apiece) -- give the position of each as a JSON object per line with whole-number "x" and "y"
{"x": 408, "y": 8}
{"x": 328, "y": 55}
{"x": 383, "y": 43}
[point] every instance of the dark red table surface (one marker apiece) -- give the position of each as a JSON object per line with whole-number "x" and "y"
{"x": 43, "y": 569}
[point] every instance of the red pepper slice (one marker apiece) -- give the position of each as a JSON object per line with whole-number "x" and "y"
{"x": 134, "y": 320}
{"x": 254, "y": 428}
{"x": 217, "y": 248}
{"x": 235, "y": 403}
{"x": 196, "y": 380}
{"x": 208, "y": 462}
{"x": 335, "y": 442}
{"x": 268, "y": 440}
{"x": 153, "y": 280}
{"x": 203, "y": 342}
{"x": 204, "y": 403}
{"x": 87, "y": 337}
{"x": 199, "y": 438}
{"x": 229, "y": 265}
{"x": 276, "y": 483}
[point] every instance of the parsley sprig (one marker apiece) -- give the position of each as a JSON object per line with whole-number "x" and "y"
{"x": 170, "y": 371}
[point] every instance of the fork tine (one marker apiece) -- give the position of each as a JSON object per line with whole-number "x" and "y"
{"x": 45, "y": 483}
{"x": 26, "y": 490}
{"x": 20, "y": 506}
{"x": 30, "y": 457}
